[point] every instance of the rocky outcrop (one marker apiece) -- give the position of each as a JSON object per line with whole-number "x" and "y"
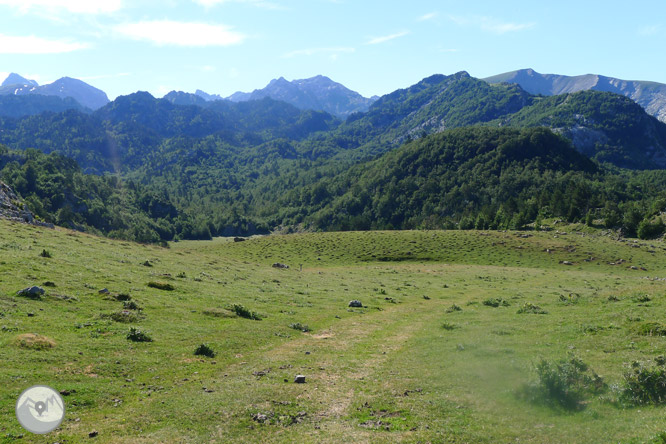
{"x": 13, "y": 208}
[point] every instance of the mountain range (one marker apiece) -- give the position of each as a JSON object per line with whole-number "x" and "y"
{"x": 318, "y": 93}
{"x": 450, "y": 150}
{"x": 66, "y": 87}
{"x": 650, "y": 95}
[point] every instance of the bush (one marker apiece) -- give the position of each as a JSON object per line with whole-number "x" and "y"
{"x": 299, "y": 326}
{"x": 204, "y": 350}
{"x": 645, "y": 385}
{"x": 137, "y": 335}
{"x": 131, "y": 305}
{"x": 642, "y": 298}
{"x": 565, "y": 383}
{"x": 453, "y": 308}
{"x": 448, "y": 326}
{"x": 122, "y": 297}
{"x": 161, "y": 286}
{"x": 652, "y": 329}
{"x": 496, "y": 302}
{"x": 244, "y": 312}
{"x": 45, "y": 253}
{"x": 529, "y": 307}
{"x": 650, "y": 230}
{"x": 124, "y": 316}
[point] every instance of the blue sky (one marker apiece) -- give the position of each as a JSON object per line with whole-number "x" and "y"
{"x": 371, "y": 46}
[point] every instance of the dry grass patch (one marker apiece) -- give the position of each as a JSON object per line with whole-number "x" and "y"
{"x": 34, "y": 341}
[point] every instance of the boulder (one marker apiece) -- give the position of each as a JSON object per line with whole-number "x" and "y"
{"x": 279, "y": 265}
{"x": 300, "y": 379}
{"x": 33, "y": 292}
{"x": 356, "y": 304}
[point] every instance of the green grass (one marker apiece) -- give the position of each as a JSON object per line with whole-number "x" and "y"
{"x": 410, "y": 371}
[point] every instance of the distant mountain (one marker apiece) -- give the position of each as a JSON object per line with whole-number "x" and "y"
{"x": 15, "y": 79}
{"x": 317, "y": 93}
{"x": 208, "y": 97}
{"x": 435, "y": 104}
{"x": 86, "y": 95}
{"x": 650, "y": 95}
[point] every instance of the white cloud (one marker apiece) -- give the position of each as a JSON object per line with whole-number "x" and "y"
{"x": 71, "y": 6}
{"x": 649, "y": 30}
{"x": 167, "y": 32}
{"x": 491, "y": 24}
{"x": 259, "y": 3}
{"x": 386, "y": 38}
{"x": 313, "y": 51}
{"x": 428, "y": 16}
{"x": 37, "y": 45}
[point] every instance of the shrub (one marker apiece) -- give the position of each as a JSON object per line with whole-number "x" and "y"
{"x": 571, "y": 299}
{"x": 565, "y": 383}
{"x": 641, "y": 298}
{"x": 124, "y": 316}
{"x": 122, "y": 297}
{"x": 45, "y": 253}
{"x": 645, "y": 385}
{"x": 448, "y": 326}
{"x": 529, "y": 307}
{"x": 131, "y": 305}
{"x": 453, "y": 308}
{"x": 299, "y": 326}
{"x": 161, "y": 286}
{"x": 652, "y": 329}
{"x": 245, "y": 313}
{"x": 34, "y": 341}
{"x": 137, "y": 335}
{"x": 496, "y": 302}
{"x": 204, "y": 350}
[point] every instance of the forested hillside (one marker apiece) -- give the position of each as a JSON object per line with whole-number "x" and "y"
{"x": 437, "y": 154}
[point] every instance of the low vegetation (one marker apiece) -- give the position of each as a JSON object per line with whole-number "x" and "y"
{"x": 448, "y": 368}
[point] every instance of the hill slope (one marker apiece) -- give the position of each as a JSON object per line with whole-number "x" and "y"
{"x": 604, "y": 126}
{"x": 650, "y": 95}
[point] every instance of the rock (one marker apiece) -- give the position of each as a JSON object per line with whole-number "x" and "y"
{"x": 239, "y": 239}
{"x": 104, "y": 291}
{"x": 355, "y": 303}
{"x": 279, "y": 265}
{"x": 13, "y": 208}
{"x": 93, "y": 434}
{"x": 566, "y": 263}
{"x": 260, "y": 418}
{"x": 33, "y": 292}
{"x": 300, "y": 379}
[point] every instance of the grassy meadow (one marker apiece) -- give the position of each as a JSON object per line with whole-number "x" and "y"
{"x": 427, "y": 359}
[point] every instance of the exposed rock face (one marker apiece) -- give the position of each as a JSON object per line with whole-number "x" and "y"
{"x": 13, "y": 208}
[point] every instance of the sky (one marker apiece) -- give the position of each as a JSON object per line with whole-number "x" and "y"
{"x": 371, "y": 46}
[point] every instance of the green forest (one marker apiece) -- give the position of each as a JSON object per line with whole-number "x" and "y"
{"x": 451, "y": 152}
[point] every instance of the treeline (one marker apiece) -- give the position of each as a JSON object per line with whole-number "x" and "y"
{"x": 57, "y": 191}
